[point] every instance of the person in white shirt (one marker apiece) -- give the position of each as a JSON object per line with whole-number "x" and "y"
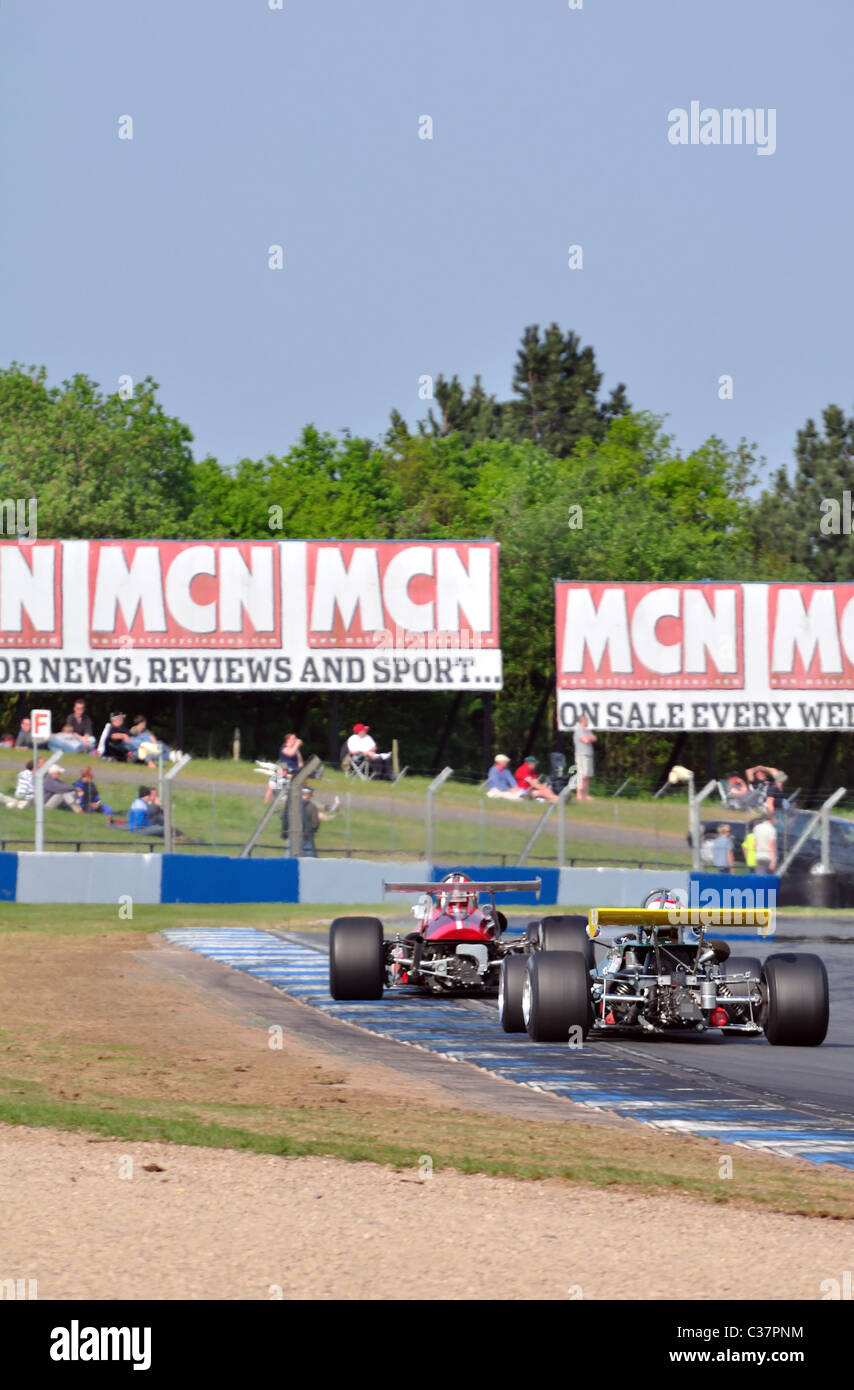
{"x": 765, "y": 841}
{"x": 360, "y": 744}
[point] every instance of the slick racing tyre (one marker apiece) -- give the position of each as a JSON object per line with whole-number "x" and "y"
{"x": 740, "y": 989}
{"x": 511, "y": 986}
{"x": 556, "y": 997}
{"x": 356, "y": 958}
{"x": 567, "y": 934}
{"x": 796, "y": 1007}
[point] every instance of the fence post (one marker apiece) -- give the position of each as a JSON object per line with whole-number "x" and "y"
{"x": 431, "y": 792}
{"x": 39, "y": 774}
{"x": 563, "y": 796}
{"x": 167, "y": 799}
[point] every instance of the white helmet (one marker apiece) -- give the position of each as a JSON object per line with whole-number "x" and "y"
{"x": 458, "y": 900}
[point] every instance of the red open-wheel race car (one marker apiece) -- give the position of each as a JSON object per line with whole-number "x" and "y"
{"x": 457, "y": 945}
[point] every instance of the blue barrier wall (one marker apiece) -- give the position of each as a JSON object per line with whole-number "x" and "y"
{"x": 548, "y": 892}
{"x": 215, "y": 878}
{"x": 8, "y": 876}
{"x": 729, "y": 890}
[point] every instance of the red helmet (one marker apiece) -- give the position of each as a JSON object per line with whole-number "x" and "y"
{"x": 666, "y": 898}
{"x": 457, "y": 900}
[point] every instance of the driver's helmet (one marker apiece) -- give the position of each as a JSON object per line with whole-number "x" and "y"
{"x": 458, "y": 899}
{"x": 666, "y": 898}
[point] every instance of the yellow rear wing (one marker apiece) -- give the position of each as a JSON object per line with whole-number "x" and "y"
{"x": 761, "y": 917}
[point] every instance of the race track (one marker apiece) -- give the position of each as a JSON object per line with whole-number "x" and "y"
{"x": 793, "y": 1101}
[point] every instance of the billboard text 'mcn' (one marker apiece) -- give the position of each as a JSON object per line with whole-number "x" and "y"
{"x": 363, "y": 595}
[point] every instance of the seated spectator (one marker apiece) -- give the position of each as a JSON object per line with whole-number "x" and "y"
{"x": 500, "y": 781}
{"x": 68, "y": 742}
{"x": 143, "y": 745}
{"x": 87, "y": 794}
{"x": 24, "y": 738}
{"x": 59, "y": 795}
{"x": 290, "y": 762}
{"x": 361, "y": 745}
{"x": 81, "y": 724}
{"x": 25, "y": 789}
{"x": 146, "y": 814}
{"x": 526, "y": 781}
{"x": 115, "y": 738}
{"x": 769, "y": 781}
{"x": 141, "y": 815}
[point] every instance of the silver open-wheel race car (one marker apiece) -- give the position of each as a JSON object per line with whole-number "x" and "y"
{"x": 661, "y": 975}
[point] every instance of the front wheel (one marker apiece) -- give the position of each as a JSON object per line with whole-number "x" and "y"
{"x": 556, "y": 998}
{"x": 356, "y": 958}
{"x": 511, "y": 987}
{"x": 797, "y": 1008}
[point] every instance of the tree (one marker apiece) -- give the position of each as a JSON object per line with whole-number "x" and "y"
{"x": 556, "y": 402}
{"x": 794, "y": 535}
{"x": 98, "y": 465}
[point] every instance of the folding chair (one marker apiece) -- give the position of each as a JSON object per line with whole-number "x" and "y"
{"x": 357, "y": 767}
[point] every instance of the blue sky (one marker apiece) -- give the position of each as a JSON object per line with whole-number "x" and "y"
{"x": 402, "y": 257}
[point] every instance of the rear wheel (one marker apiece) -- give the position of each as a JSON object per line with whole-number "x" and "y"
{"x": 556, "y": 996}
{"x": 356, "y": 958}
{"x": 511, "y": 986}
{"x": 797, "y": 1010}
{"x": 567, "y": 933}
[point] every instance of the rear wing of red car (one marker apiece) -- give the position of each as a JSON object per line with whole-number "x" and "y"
{"x": 528, "y": 885}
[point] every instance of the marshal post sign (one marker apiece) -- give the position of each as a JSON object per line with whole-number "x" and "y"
{"x": 707, "y": 656}
{"x": 214, "y": 615}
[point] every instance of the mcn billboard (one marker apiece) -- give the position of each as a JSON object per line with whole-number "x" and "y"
{"x": 710, "y": 656}
{"x": 213, "y": 615}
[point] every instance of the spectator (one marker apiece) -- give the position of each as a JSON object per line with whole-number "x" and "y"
{"x": 115, "y": 738}
{"x": 24, "y": 738}
{"x": 748, "y": 847}
{"x": 361, "y": 745}
{"x": 290, "y": 762}
{"x": 310, "y": 823}
{"x": 59, "y": 795}
{"x": 81, "y": 724}
{"x": 526, "y": 781}
{"x": 140, "y": 813}
{"x": 68, "y": 742}
{"x": 766, "y": 844}
{"x": 88, "y": 796}
{"x": 500, "y": 781}
{"x": 768, "y": 780}
{"x": 143, "y": 745}
{"x": 25, "y": 788}
{"x": 723, "y": 850}
{"x": 583, "y": 739}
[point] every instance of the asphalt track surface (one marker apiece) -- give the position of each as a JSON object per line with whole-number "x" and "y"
{"x": 793, "y": 1101}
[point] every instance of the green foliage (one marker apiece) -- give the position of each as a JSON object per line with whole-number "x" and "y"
{"x": 787, "y": 520}
{"x": 99, "y": 465}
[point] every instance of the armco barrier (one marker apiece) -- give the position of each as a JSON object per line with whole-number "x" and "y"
{"x": 354, "y": 880}
{"x": 216, "y": 878}
{"x": 56, "y": 877}
{"x": 734, "y": 890}
{"x": 8, "y": 877}
{"x": 615, "y": 887}
{"x": 87, "y": 878}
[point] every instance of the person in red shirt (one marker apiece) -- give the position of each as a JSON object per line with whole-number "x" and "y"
{"x": 526, "y": 780}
